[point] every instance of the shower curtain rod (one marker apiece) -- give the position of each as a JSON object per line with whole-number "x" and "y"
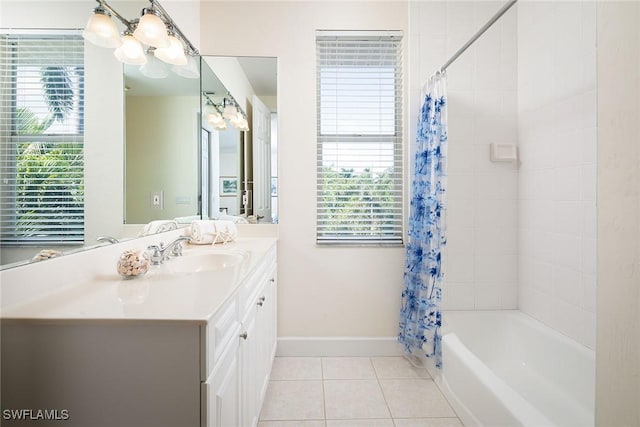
{"x": 477, "y": 35}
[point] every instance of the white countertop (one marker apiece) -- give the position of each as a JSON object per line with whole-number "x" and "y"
{"x": 156, "y": 296}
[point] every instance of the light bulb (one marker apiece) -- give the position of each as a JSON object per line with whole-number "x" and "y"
{"x": 101, "y": 30}
{"x": 131, "y": 51}
{"x": 151, "y": 29}
{"x": 173, "y": 54}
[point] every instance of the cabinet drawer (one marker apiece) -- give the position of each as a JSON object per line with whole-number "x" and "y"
{"x": 221, "y": 329}
{"x": 251, "y": 290}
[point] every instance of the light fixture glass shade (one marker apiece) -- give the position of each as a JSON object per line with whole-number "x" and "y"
{"x": 230, "y": 112}
{"x": 154, "y": 68}
{"x": 189, "y": 71}
{"x": 242, "y": 125}
{"x": 131, "y": 51}
{"x": 217, "y": 121}
{"x": 101, "y": 30}
{"x": 174, "y": 54}
{"x": 151, "y": 30}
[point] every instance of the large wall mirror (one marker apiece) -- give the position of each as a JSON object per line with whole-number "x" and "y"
{"x": 167, "y": 131}
{"x": 239, "y": 168}
{"x": 174, "y": 163}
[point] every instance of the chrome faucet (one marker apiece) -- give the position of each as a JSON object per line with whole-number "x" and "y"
{"x": 108, "y": 239}
{"x": 160, "y": 253}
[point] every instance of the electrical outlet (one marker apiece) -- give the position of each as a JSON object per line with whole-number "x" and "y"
{"x": 157, "y": 200}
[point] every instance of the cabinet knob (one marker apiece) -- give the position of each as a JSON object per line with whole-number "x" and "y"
{"x": 261, "y": 300}
{"x": 272, "y": 280}
{"x": 244, "y": 335}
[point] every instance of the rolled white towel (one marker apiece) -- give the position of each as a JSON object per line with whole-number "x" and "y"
{"x": 158, "y": 226}
{"x": 206, "y": 232}
{"x": 186, "y": 219}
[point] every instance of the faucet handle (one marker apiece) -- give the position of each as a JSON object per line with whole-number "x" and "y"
{"x": 177, "y": 249}
{"x": 156, "y": 255}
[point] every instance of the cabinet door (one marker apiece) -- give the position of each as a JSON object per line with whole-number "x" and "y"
{"x": 249, "y": 371}
{"x": 222, "y": 390}
{"x": 266, "y": 321}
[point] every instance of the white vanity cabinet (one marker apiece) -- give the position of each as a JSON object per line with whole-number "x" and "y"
{"x": 234, "y": 391}
{"x": 210, "y": 371}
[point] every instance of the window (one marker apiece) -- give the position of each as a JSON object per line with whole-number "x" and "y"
{"x": 359, "y": 137}
{"x": 41, "y": 139}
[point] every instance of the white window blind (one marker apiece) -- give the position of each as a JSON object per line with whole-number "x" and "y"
{"x": 41, "y": 139}
{"x": 359, "y": 137}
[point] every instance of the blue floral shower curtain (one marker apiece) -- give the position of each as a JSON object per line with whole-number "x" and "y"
{"x": 420, "y": 315}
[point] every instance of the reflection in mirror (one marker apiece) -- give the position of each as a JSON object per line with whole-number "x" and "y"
{"x": 240, "y": 177}
{"x": 162, "y": 122}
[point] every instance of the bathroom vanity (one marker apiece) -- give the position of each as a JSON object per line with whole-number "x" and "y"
{"x": 189, "y": 344}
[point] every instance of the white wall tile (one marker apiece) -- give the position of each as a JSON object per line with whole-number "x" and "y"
{"x": 460, "y": 239}
{"x": 567, "y": 283}
{"x": 588, "y": 184}
{"x": 488, "y": 297}
{"x": 589, "y": 255}
{"x": 482, "y": 196}
{"x": 432, "y": 16}
{"x": 567, "y": 184}
{"x": 589, "y": 289}
{"x": 459, "y": 267}
{"x": 556, "y": 189}
{"x": 460, "y": 18}
{"x": 496, "y": 269}
{"x": 566, "y": 250}
{"x": 460, "y": 212}
{"x": 458, "y": 296}
{"x": 568, "y": 217}
{"x": 496, "y": 241}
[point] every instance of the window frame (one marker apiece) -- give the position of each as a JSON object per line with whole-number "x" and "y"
{"x": 394, "y": 237}
{"x": 10, "y": 235}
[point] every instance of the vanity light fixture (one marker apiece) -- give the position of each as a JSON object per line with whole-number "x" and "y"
{"x": 155, "y": 29}
{"x": 226, "y": 108}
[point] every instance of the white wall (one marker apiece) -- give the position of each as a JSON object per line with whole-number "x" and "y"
{"x": 557, "y": 180}
{"x": 480, "y": 259}
{"x": 323, "y": 291}
{"x": 618, "y": 336}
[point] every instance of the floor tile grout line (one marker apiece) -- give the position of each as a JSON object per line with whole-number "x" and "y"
{"x": 324, "y": 395}
{"x": 384, "y": 396}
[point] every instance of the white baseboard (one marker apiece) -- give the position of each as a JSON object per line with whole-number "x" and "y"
{"x": 338, "y": 346}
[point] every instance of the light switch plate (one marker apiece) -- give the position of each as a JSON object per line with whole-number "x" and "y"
{"x": 157, "y": 200}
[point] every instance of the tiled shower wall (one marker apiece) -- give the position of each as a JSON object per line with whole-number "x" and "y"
{"x": 557, "y": 179}
{"x": 482, "y": 214}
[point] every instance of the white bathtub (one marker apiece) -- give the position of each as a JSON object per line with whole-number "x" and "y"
{"x": 503, "y": 368}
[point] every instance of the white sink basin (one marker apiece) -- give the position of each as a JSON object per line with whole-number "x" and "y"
{"x": 206, "y": 261}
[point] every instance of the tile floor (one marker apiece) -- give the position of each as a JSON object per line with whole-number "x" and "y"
{"x": 353, "y": 392}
